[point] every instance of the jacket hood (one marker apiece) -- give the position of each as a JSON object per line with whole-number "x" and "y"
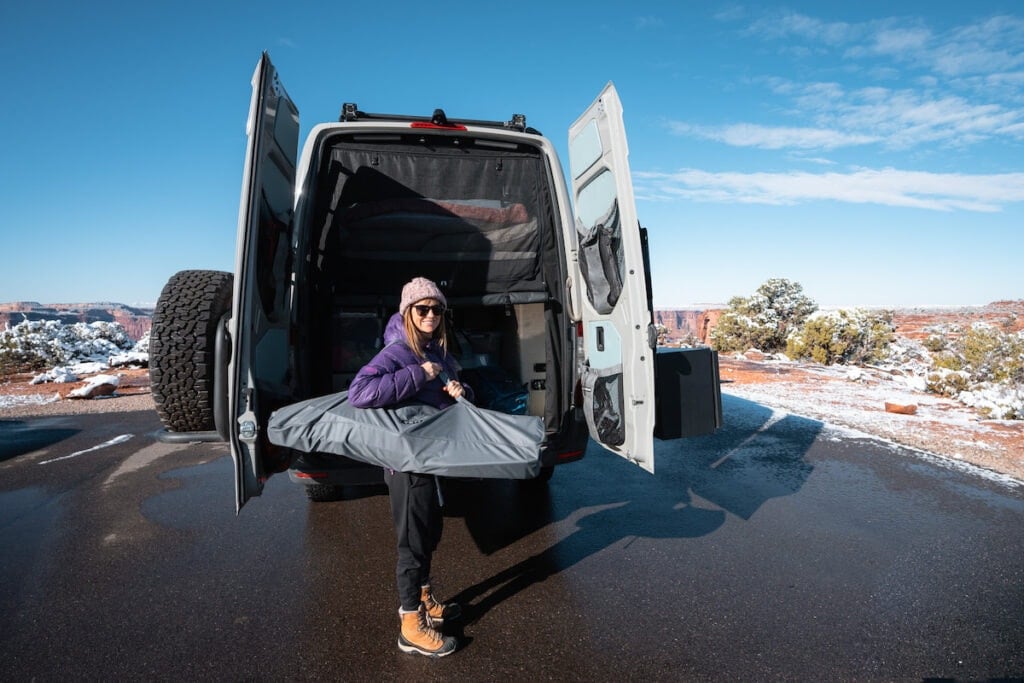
{"x": 394, "y": 330}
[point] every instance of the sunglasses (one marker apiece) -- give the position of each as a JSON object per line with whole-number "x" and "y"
{"x": 423, "y": 310}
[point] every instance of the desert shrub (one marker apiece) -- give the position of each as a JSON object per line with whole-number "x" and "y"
{"x": 978, "y": 346}
{"x": 991, "y": 354}
{"x": 999, "y": 401}
{"x": 948, "y": 361}
{"x": 935, "y": 343}
{"x": 36, "y": 344}
{"x": 983, "y": 367}
{"x": 690, "y": 341}
{"x": 947, "y": 383}
{"x": 662, "y": 333}
{"x": 842, "y": 336}
{"x": 765, "y": 320}
{"x": 14, "y": 359}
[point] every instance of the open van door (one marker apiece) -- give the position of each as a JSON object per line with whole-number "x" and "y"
{"x": 260, "y": 314}
{"x": 609, "y": 276}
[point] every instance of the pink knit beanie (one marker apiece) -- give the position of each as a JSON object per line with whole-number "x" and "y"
{"x": 417, "y": 289}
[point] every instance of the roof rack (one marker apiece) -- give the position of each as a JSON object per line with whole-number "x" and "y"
{"x": 350, "y": 112}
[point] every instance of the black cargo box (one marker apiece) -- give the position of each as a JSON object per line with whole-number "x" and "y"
{"x": 688, "y": 397}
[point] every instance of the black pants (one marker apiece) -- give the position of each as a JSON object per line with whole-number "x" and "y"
{"x": 416, "y": 511}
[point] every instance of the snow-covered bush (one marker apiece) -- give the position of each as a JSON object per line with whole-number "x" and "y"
{"x": 983, "y": 367}
{"x": 136, "y": 357}
{"x": 142, "y": 346}
{"x": 38, "y": 344}
{"x": 947, "y": 382}
{"x": 765, "y": 320}
{"x": 842, "y": 336}
{"x": 999, "y": 401}
{"x": 992, "y": 354}
{"x": 907, "y": 357}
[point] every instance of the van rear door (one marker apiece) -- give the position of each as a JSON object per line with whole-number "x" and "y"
{"x": 610, "y": 272}
{"x": 259, "y": 325}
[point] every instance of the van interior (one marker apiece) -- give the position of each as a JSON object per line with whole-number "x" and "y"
{"x": 473, "y": 214}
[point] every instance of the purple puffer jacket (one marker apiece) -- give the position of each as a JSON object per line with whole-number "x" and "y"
{"x": 394, "y": 375}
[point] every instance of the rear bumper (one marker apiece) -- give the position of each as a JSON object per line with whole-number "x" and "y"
{"x": 310, "y": 469}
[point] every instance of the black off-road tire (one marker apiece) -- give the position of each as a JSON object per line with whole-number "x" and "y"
{"x": 182, "y": 342}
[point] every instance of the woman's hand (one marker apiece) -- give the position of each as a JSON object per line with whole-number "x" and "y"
{"x": 454, "y": 388}
{"x": 431, "y": 369}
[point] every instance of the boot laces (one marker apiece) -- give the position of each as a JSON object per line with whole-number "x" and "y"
{"x": 423, "y": 622}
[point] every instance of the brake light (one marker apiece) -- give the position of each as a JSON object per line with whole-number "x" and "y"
{"x": 428, "y": 124}
{"x": 312, "y": 475}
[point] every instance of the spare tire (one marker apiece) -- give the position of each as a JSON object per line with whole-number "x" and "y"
{"x": 182, "y": 343}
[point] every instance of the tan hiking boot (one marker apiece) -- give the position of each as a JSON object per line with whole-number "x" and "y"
{"x": 437, "y": 611}
{"x": 418, "y": 637}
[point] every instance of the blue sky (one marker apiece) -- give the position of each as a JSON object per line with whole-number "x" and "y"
{"x": 872, "y": 152}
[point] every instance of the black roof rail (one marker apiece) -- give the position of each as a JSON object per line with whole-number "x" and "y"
{"x": 351, "y": 112}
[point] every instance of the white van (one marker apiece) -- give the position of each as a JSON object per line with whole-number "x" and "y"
{"x": 551, "y": 301}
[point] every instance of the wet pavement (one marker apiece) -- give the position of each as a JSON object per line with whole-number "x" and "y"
{"x": 776, "y": 549}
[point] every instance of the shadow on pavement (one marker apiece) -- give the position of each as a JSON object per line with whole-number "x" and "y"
{"x": 18, "y": 437}
{"x": 758, "y": 455}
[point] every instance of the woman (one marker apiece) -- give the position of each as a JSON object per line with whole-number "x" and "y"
{"x": 414, "y": 365}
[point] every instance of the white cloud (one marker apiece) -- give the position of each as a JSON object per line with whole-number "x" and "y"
{"x": 783, "y": 26}
{"x": 904, "y": 118}
{"x": 888, "y": 187}
{"x": 996, "y": 44}
{"x": 821, "y": 161}
{"x": 893, "y": 118}
{"x": 989, "y": 45}
{"x": 773, "y": 137}
{"x": 900, "y": 41}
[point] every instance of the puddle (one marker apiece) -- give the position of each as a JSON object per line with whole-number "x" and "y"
{"x": 29, "y": 527}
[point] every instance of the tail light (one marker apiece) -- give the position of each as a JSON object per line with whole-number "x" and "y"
{"x": 437, "y": 126}
{"x": 312, "y": 475}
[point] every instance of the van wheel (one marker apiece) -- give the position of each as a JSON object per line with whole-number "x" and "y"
{"x": 182, "y": 341}
{"x": 323, "y": 493}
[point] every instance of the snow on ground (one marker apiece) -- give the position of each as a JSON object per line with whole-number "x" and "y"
{"x": 853, "y": 401}
{"x": 74, "y": 353}
{"x": 27, "y": 400}
{"x": 850, "y": 398}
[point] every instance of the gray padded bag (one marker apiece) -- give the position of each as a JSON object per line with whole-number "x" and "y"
{"x": 459, "y": 441}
